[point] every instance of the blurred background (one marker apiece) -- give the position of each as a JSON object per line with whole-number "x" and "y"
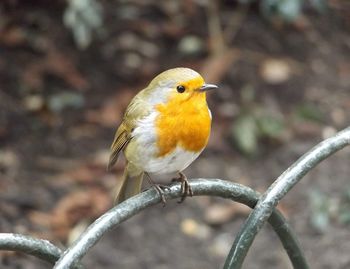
{"x": 69, "y": 68}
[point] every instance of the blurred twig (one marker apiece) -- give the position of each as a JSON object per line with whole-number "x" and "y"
{"x": 219, "y": 37}
{"x": 218, "y": 44}
{"x": 235, "y": 22}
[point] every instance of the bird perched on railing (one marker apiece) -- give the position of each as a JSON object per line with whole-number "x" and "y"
{"x": 164, "y": 129}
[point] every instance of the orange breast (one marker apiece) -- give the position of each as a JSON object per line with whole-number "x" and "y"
{"x": 183, "y": 122}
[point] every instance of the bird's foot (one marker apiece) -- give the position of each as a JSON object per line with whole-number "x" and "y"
{"x": 186, "y": 189}
{"x": 159, "y": 188}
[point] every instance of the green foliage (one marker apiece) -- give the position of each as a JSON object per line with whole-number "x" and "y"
{"x": 254, "y": 123}
{"x": 84, "y": 19}
{"x": 320, "y": 5}
{"x": 270, "y": 126}
{"x": 320, "y": 209}
{"x": 62, "y": 100}
{"x": 344, "y": 210}
{"x": 245, "y": 133}
{"x": 323, "y": 208}
{"x": 287, "y": 10}
{"x": 309, "y": 112}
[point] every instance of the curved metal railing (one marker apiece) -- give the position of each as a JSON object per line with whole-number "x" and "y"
{"x": 264, "y": 210}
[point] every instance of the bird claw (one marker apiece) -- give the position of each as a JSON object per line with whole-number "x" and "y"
{"x": 186, "y": 189}
{"x": 164, "y": 187}
{"x": 159, "y": 188}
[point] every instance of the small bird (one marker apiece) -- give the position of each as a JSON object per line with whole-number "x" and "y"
{"x": 164, "y": 129}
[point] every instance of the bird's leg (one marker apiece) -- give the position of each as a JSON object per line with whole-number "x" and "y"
{"x": 185, "y": 186}
{"x": 159, "y": 188}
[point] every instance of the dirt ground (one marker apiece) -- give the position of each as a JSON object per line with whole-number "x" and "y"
{"x": 60, "y": 106}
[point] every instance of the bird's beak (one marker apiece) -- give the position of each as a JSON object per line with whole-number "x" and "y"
{"x": 207, "y": 87}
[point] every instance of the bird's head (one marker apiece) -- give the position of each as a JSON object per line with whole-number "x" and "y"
{"x": 180, "y": 84}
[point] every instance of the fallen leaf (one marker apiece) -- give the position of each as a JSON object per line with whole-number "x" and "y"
{"x": 328, "y": 131}
{"x": 338, "y": 116}
{"x": 75, "y": 207}
{"x": 191, "y": 45}
{"x": 12, "y": 36}
{"x": 39, "y": 218}
{"x": 83, "y": 130}
{"x": 8, "y": 159}
{"x": 192, "y": 228}
{"x": 34, "y": 103}
{"x": 76, "y": 231}
{"x": 217, "y": 214}
{"x": 275, "y": 71}
{"x": 307, "y": 129}
{"x": 221, "y": 245}
{"x": 56, "y": 63}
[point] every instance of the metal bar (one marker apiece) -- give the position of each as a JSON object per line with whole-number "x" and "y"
{"x": 148, "y": 198}
{"x": 39, "y": 248}
{"x": 277, "y": 191}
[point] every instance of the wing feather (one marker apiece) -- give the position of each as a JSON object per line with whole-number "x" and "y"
{"x": 136, "y": 110}
{"x": 121, "y": 139}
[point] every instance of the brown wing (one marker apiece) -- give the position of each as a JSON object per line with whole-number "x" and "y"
{"x": 136, "y": 110}
{"x": 121, "y": 139}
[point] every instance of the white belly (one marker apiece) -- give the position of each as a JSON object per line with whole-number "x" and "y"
{"x": 146, "y": 158}
{"x": 176, "y": 161}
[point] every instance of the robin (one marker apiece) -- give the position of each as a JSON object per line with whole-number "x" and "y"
{"x": 164, "y": 129}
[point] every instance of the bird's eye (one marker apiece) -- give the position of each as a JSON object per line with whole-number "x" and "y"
{"x": 180, "y": 88}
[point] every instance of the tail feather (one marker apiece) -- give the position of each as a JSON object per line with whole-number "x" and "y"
{"x": 131, "y": 184}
